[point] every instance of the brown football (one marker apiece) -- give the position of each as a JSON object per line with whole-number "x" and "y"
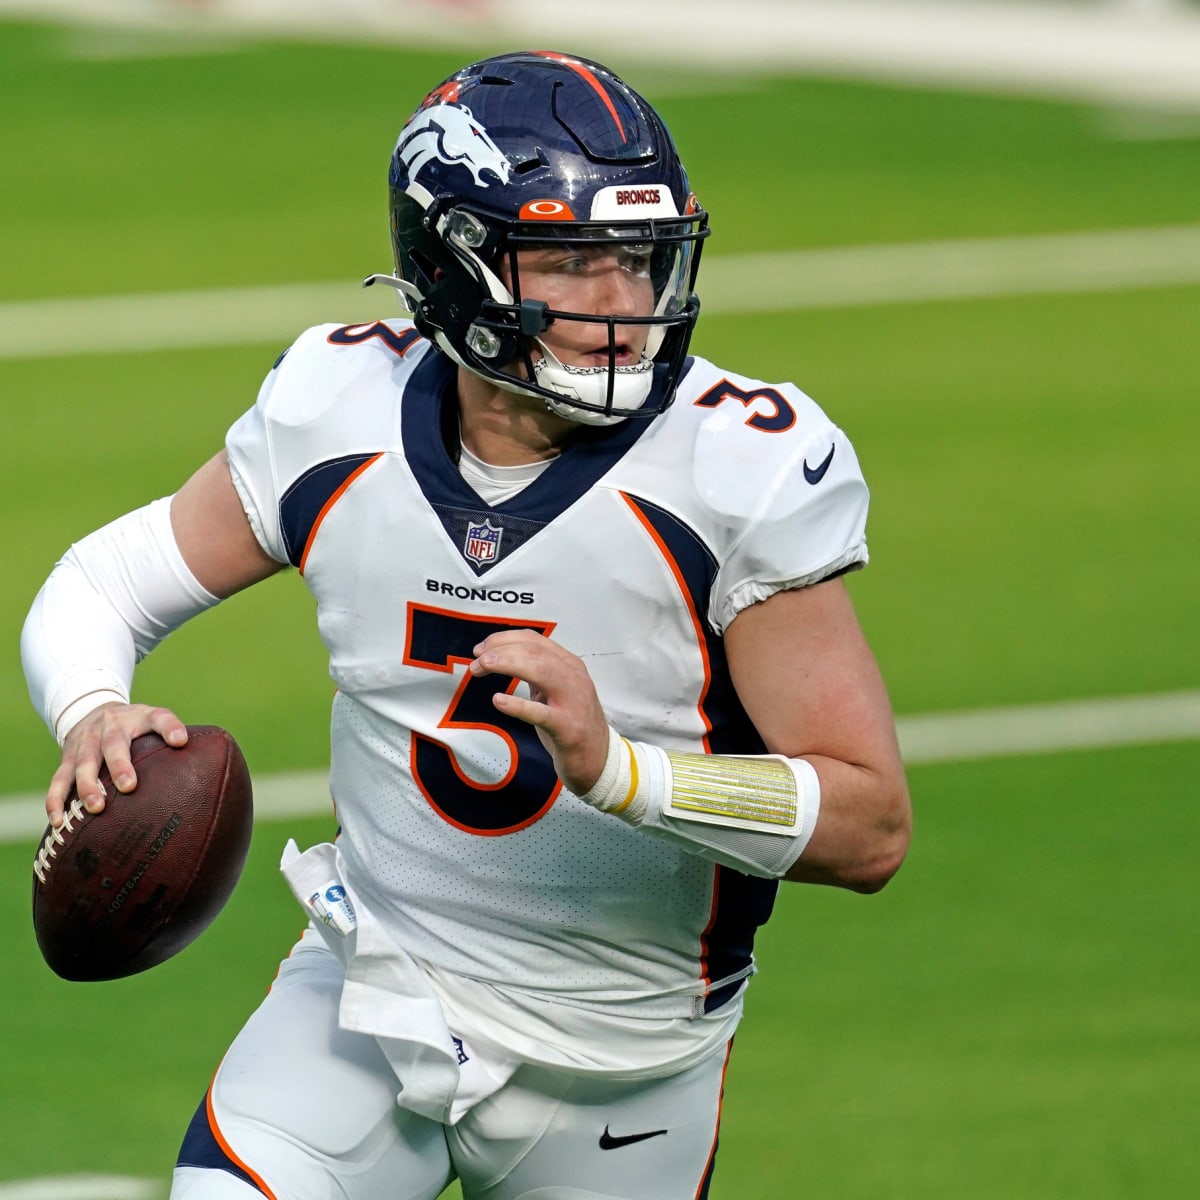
{"x": 122, "y": 890}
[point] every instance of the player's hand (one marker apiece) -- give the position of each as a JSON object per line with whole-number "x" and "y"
{"x": 562, "y": 706}
{"x": 102, "y": 738}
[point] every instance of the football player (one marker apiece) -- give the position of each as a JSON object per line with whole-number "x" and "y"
{"x": 600, "y": 686}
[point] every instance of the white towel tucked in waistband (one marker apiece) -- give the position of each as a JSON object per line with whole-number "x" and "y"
{"x": 387, "y": 995}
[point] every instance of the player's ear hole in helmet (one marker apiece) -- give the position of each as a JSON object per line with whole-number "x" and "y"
{"x": 531, "y": 150}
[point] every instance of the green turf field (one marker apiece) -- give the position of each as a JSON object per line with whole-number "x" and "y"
{"x": 1018, "y": 1015}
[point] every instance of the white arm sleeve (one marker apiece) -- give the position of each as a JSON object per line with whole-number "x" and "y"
{"x": 108, "y": 602}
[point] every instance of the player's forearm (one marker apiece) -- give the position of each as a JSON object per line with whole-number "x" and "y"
{"x": 767, "y": 815}
{"x": 863, "y": 833}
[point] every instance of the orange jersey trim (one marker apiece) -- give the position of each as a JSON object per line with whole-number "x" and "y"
{"x": 312, "y": 533}
{"x": 227, "y": 1150}
{"x": 712, "y": 1153}
{"x": 693, "y": 615}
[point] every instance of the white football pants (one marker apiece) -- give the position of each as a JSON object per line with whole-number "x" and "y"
{"x": 303, "y": 1110}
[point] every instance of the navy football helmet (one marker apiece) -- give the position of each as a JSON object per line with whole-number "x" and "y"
{"x": 537, "y": 149}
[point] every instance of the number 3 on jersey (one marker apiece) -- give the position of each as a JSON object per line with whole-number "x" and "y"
{"x": 437, "y": 640}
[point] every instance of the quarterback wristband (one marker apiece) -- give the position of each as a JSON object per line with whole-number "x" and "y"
{"x": 616, "y": 789}
{"x": 752, "y": 812}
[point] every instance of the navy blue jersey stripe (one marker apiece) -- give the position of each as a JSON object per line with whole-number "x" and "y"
{"x": 302, "y": 503}
{"x": 730, "y": 729}
{"x": 743, "y": 902}
{"x": 718, "y": 996}
{"x": 201, "y": 1149}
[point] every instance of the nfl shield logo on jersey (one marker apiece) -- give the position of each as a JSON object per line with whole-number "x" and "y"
{"x": 483, "y": 543}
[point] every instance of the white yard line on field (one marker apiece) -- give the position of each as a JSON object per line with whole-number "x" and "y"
{"x": 832, "y": 277}
{"x": 82, "y": 1187}
{"x": 1048, "y": 728}
{"x": 279, "y": 796}
{"x": 926, "y": 738}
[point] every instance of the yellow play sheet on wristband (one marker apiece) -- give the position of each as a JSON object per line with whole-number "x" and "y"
{"x": 743, "y": 792}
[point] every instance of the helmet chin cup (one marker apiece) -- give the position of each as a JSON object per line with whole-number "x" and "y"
{"x": 585, "y": 390}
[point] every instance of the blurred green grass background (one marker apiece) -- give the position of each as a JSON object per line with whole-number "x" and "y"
{"x": 1016, "y": 1016}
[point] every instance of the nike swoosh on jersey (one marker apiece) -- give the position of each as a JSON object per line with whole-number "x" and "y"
{"x": 608, "y": 1142}
{"x": 815, "y": 476}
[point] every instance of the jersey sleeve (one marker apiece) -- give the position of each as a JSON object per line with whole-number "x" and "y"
{"x": 248, "y": 447}
{"x": 809, "y": 525}
{"x": 261, "y": 444}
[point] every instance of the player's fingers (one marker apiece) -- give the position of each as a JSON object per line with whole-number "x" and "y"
{"x": 532, "y": 712}
{"x": 123, "y": 726}
{"x": 562, "y": 704}
{"x": 525, "y": 654}
{"x": 559, "y": 699}
{"x": 82, "y": 758}
{"x": 103, "y": 738}
{"x": 168, "y": 727}
{"x": 500, "y": 660}
{"x": 542, "y": 664}
{"x": 114, "y": 746}
{"x": 507, "y": 637}
{"x": 554, "y": 677}
{"x": 575, "y": 737}
{"x": 85, "y": 767}
{"x": 61, "y": 783}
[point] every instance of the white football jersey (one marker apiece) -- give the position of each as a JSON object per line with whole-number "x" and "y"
{"x": 634, "y": 549}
